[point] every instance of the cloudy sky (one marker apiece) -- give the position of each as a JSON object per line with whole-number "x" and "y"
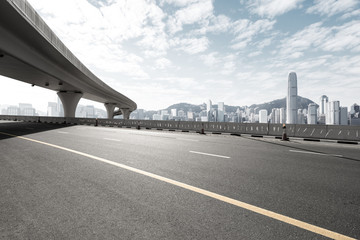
{"x": 161, "y": 52}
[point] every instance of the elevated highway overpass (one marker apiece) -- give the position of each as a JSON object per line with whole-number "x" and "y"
{"x": 31, "y": 52}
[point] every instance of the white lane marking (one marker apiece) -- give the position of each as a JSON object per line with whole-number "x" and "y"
{"x": 188, "y": 139}
{"x": 62, "y": 132}
{"x": 315, "y": 153}
{"x": 209, "y": 154}
{"x": 112, "y": 139}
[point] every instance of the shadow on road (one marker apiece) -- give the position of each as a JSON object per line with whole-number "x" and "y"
{"x": 26, "y": 128}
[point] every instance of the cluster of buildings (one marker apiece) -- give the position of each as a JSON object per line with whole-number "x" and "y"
{"x": 329, "y": 112}
{"x": 326, "y": 112}
{"x": 23, "y": 109}
{"x": 54, "y": 109}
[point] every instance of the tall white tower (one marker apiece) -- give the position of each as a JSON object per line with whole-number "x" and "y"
{"x": 291, "y": 110}
{"x": 323, "y": 101}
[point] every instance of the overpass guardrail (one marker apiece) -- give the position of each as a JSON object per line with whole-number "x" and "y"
{"x": 334, "y": 132}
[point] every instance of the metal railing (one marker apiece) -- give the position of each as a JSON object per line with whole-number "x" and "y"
{"x": 336, "y": 132}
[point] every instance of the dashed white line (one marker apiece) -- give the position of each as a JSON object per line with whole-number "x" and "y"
{"x": 187, "y": 139}
{"x": 112, "y": 139}
{"x": 315, "y": 153}
{"x": 63, "y": 132}
{"x": 209, "y": 154}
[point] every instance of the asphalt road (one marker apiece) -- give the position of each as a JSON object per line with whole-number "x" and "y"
{"x": 85, "y": 182}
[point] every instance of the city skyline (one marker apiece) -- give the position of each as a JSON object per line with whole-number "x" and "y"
{"x": 326, "y": 112}
{"x": 238, "y": 52}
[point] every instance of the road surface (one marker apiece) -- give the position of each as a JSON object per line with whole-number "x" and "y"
{"x": 85, "y": 182}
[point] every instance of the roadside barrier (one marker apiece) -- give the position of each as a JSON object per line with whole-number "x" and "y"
{"x": 334, "y": 132}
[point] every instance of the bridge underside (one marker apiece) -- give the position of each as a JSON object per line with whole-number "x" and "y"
{"x": 69, "y": 95}
{"x": 30, "y": 52}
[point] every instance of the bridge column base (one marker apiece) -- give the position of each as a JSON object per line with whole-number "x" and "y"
{"x": 69, "y": 101}
{"x": 126, "y": 112}
{"x": 110, "y": 108}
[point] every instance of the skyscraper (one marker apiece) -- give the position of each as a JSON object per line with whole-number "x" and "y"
{"x": 282, "y": 115}
{"x": 208, "y": 110}
{"x": 322, "y": 107}
{"x": 291, "y": 110}
{"x": 221, "y": 112}
{"x": 334, "y": 113}
{"x": 312, "y": 114}
{"x": 344, "y": 116}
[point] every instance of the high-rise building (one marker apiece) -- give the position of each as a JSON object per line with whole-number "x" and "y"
{"x": 354, "y": 110}
{"x": 282, "y": 115}
{"x": 221, "y": 112}
{"x": 277, "y": 115}
{"x": 13, "y": 110}
{"x": 208, "y": 111}
{"x": 190, "y": 116}
{"x": 263, "y": 115}
{"x": 312, "y": 114}
{"x": 291, "y": 100}
{"x": 52, "y": 109}
{"x": 174, "y": 112}
{"x": 322, "y": 106}
{"x": 334, "y": 113}
{"x": 344, "y": 116}
{"x": 60, "y": 108}
{"x": 300, "y": 117}
{"x": 90, "y": 111}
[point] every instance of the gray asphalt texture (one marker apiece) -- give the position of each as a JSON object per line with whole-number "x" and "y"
{"x": 49, "y": 193}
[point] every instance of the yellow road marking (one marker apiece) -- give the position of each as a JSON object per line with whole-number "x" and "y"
{"x": 264, "y": 212}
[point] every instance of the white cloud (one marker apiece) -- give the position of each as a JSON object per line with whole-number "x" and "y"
{"x": 254, "y": 54}
{"x": 193, "y": 13}
{"x": 191, "y": 45}
{"x": 229, "y": 64}
{"x": 245, "y": 31}
{"x": 345, "y": 37}
{"x": 272, "y": 8}
{"x": 178, "y": 3}
{"x": 351, "y": 14}
{"x": 332, "y": 7}
{"x": 317, "y": 37}
{"x": 210, "y": 59}
{"x": 162, "y": 63}
{"x": 215, "y": 24}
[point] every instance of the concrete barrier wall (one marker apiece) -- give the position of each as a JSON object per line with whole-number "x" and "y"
{"x": 336, "y": 132}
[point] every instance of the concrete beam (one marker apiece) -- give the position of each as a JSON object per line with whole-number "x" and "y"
{"x": 69, "y": 101}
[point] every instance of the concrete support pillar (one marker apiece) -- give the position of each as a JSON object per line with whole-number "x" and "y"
{"x": 69, "y": 101}
{"x": 126, "y": 112}
{"x": 110, "y": 107}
